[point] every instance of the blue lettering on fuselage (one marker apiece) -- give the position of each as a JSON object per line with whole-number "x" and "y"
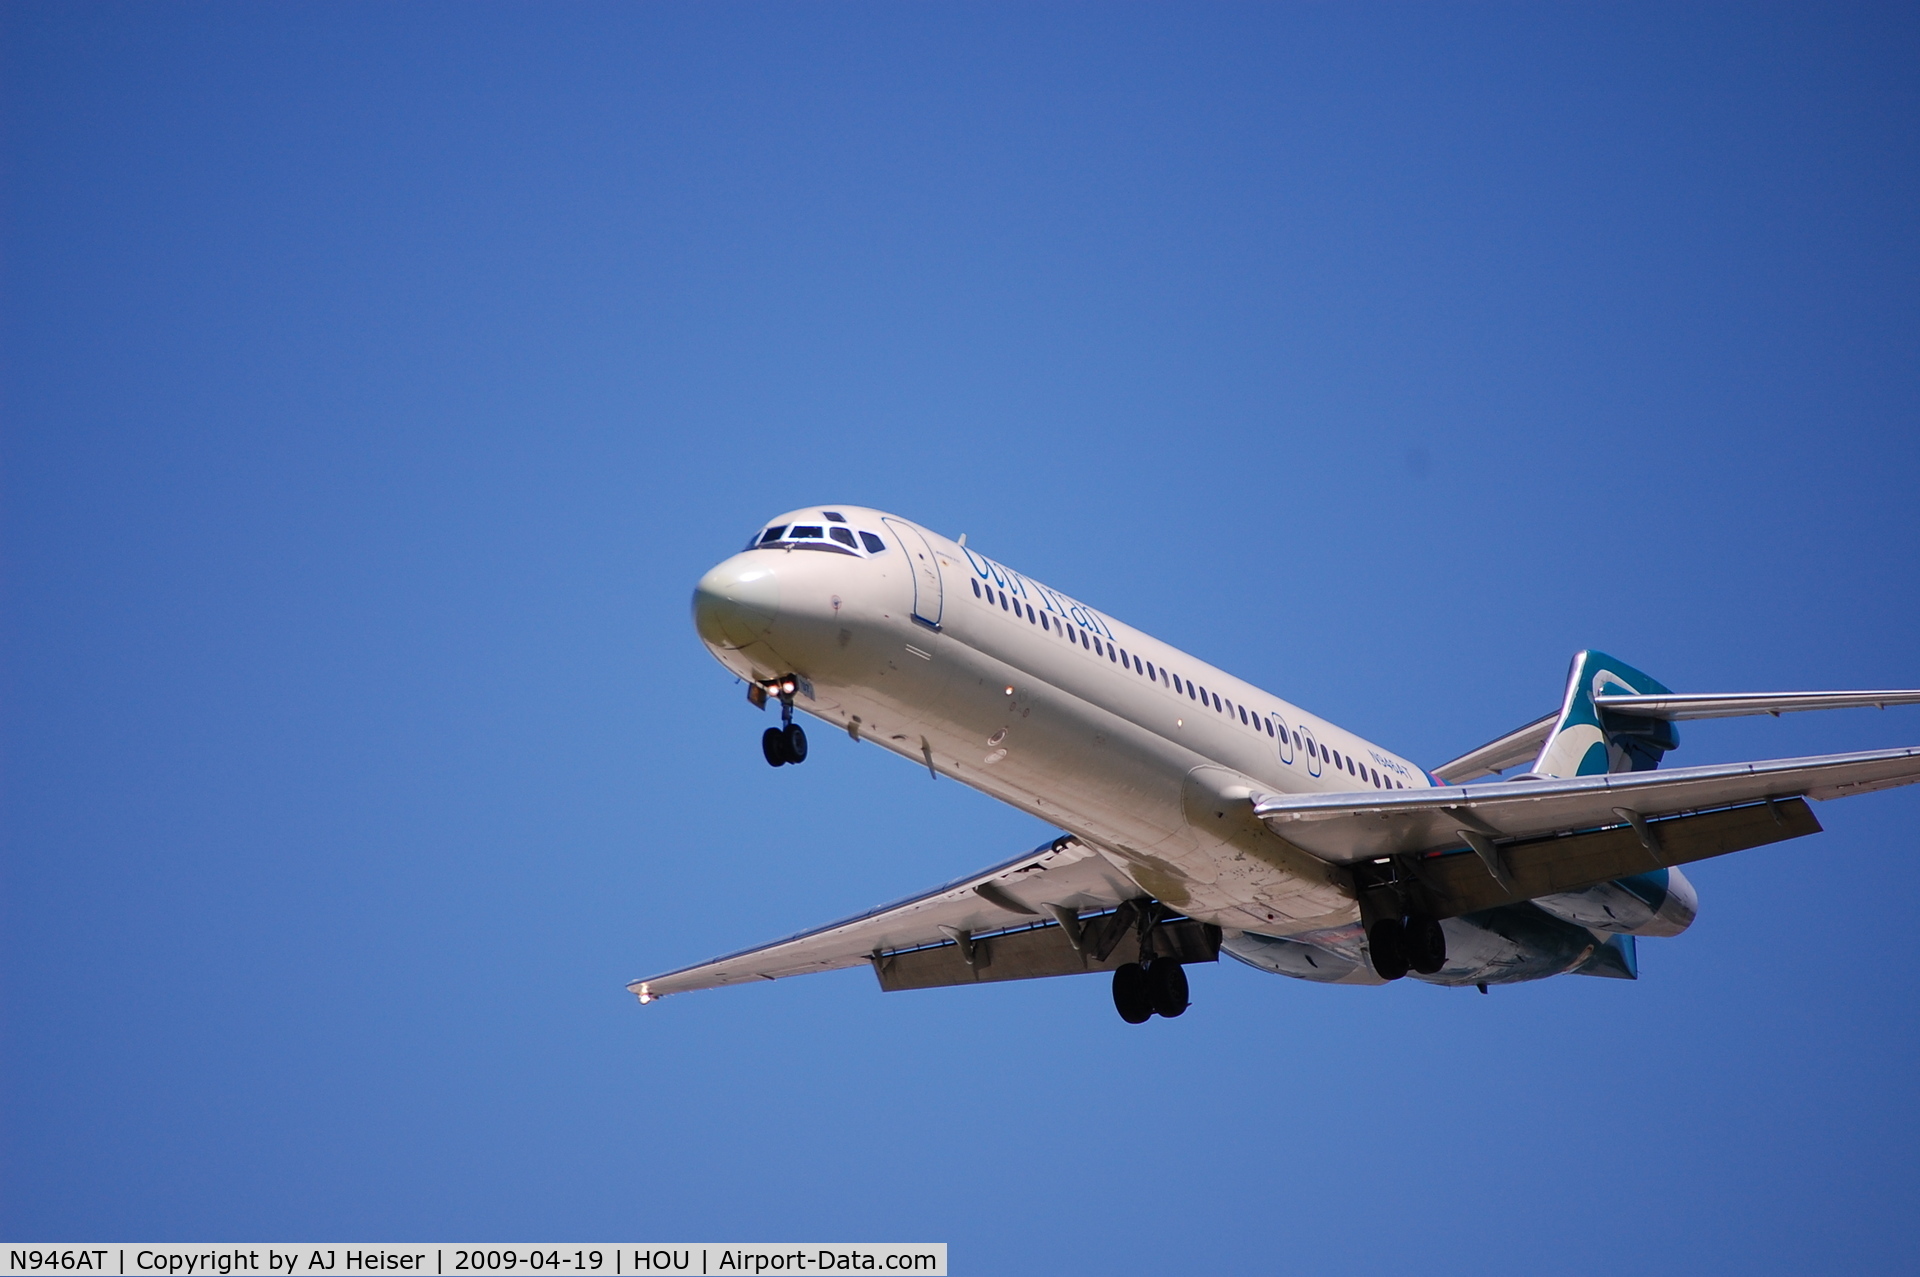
{"x": 1051, "y": 600}
{"x": 1386, "y": 763}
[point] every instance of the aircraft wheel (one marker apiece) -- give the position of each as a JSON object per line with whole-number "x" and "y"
{"x": 773, "y": 743}
{"x": 1131, "y": 996}
{"x": 1167, "y": 983}
{"x": 1426, "y": 945}
{"x": 796, "y": 744}
{"x": 1386, "y": 946}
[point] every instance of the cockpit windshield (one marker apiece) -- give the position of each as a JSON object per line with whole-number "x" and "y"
{"x": 833, "y": 535}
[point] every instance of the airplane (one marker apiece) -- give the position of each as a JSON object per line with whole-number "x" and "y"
{"x": 1202, "y": 815}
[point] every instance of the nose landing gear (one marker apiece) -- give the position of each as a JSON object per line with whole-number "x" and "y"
{"x": 785, "y": 743}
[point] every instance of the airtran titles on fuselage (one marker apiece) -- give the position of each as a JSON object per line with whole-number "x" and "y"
{"x": 1017, "y": 586}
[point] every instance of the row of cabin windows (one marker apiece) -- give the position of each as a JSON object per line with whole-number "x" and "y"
{"x": 1166, "y": 678}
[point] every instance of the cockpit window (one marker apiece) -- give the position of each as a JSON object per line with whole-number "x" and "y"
{"x": 813, "y": 536}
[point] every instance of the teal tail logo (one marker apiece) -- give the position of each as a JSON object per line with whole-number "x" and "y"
{"x": 1590, "y": 742}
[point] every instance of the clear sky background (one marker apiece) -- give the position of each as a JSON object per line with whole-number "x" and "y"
{"x": 379, "y": 379}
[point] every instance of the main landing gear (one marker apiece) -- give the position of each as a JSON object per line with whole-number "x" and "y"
{"x": 1155, "y": 986}
{"x": 785, "y": 743}
{"x": 1397, "y": 947}
{"x": 1142, "y": 992}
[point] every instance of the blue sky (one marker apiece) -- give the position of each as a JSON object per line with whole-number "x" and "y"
{"x": 378, "y": 380}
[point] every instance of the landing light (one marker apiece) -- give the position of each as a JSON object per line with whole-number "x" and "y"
{"x": 1009, "y": 691}
{"x": 789, "y": 686}
{"x": 646, "y": 995}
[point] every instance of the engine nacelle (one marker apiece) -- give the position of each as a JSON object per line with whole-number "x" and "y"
{"x": 1661, "y": 903}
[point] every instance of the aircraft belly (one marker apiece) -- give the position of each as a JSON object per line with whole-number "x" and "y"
{"x": 1047, "y": 748}
{"x": 1124, "y": 789}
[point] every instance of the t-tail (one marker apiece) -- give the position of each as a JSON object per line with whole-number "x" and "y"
{"x": 1591, "y": 741}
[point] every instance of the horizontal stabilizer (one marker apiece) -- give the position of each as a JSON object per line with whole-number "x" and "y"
{"x": 1522, "y": 745}
{"x": 1674, "y": 706}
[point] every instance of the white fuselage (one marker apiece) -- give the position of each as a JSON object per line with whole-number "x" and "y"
{"x": 985, "y": 675}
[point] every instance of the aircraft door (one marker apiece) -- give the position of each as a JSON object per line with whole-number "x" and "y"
{"x": 1286, "y": 741}
{"x": 1312, "y": 750}
{"x": 928, "y": 596}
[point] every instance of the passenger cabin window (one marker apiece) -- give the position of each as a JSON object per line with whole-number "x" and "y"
{"x": 976, "y": 588}
{"x": 873, "y": 543}
{"x": 843, "y": 536}
{"x": 1150, "y": 673}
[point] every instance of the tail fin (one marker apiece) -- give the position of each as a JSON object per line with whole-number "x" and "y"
{"x": 1588, "y": 741}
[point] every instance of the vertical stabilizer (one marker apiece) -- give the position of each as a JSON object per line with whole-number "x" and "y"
{"x": 1587, "y": 742}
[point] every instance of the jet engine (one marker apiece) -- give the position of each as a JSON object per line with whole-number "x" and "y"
{"x": 1661, "y": 903}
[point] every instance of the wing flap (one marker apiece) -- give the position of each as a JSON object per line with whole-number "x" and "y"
{"x": 1348, "y": 828}
{"x": 1454, "y": 883}
{"x": 1065, "y": 872}
{"x": 1036, "y": 952}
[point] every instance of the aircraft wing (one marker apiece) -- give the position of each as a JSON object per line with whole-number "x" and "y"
{"x": 966, "y": 921}
{"x": 1349, "y": 828}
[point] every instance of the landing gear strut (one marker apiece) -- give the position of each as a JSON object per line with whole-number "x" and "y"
{"x": 785, "y": 743}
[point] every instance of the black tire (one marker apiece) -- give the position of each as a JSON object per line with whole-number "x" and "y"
{"x": 796, "y": 744}
{"x": 1131, "y": 997}
{"x": 773, "y": 743}
{"x": 1426, "y": 945}
{"x": 1386, "y": 947}
{"x": 1167, "y": 983}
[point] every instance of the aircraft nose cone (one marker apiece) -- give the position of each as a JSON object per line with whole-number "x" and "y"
{"x": 735, "y": 603}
